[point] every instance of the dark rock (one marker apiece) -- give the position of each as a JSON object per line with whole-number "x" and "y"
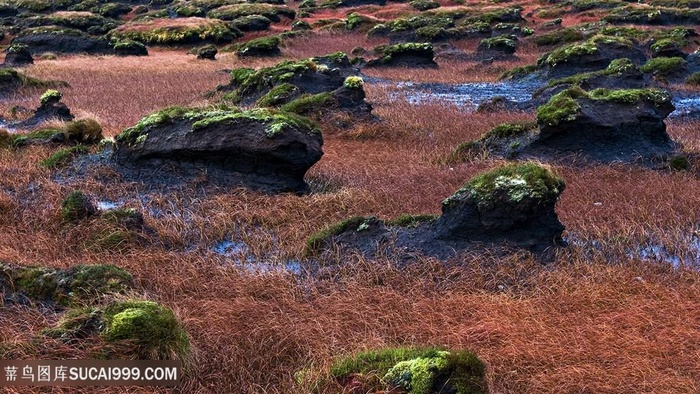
{"x": 207, "y": 52}
{"x": 588, "y": 56}
{"x": 130, "y": 48}
{"x": 262, "y": 149}
{"x": 17, "y": 55}
{"x": 405, "y": 55}
{"x": 50, "y": 109}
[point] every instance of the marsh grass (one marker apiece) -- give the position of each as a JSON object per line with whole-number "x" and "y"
{"x": 598, "y": 318}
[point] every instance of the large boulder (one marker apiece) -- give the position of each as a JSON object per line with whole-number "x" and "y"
{"x": 511, "y": 206}
{"x": 260, "y": 148}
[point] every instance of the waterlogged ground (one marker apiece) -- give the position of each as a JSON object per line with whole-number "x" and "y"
{"x": 468, "y": 96}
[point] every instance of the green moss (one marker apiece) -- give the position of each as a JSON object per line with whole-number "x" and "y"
{"x": 354, "y": 82}
{"x": 316, "y": 242}
{"x": 693, "y": 79}
{"x": 259, "y": 45}
{"x": 616, "y": 68}
{"x": 630, "y": 96}
{"x": 310, "y": 104}
{"x": 561, "y": 107}
{"x": 129, "y": 45}
{"x": 355, "y": 21}
{"x": 278, "y": 95}
{"x": 413, "y": 371}
{"x": 389, "y": 51}
{"x": 585, "y": 5}
{"x": 77, "y": 323}
{"x": 501, "y": 43}
{"x": 50, "y": 96}
{"x": 518, "y": 181}
{"x": 269, "y": 11}
{"x": 408, "y": 220}
{"x": 639, "y": 15}
{"x": 152, "y": 33}
{"x": 251, "y": 22}
{"x": 663, "y": 65}
{"x": 17, "y": 47}
{"x": 518, "y": 72}
{"x": 77, "y": 206}
{"x": 508, "y": 130}
{"x": 152, "y": 328}
{"x": 89, "y": 281}
{"x": 424, "y": 5}
{"x": 562, "y": 36}
{"x": 38, "y": 283}
{"x": 679, "y": 163}
{"x": 664, "y": 44}
{"x": 63, "y": 156}
{"x": 563, "y": 54}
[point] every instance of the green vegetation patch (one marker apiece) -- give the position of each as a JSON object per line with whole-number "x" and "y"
{"x": 517, "y": 181}
{"x": 278, "y": 95}
{"x": 177, "y": 31}
{"x": 259, "y": 46}
{"x": 561, "y": 107}
{"x": 152, "y": 328}
{"x": 413, "y": 371}
{"x": 235, "y": 11}
{"x": 200, "y": 118}
{"x": 310, "y": 104}
{"x": 63, "y": 156}
{"x": 87, "y": 131}
{"x": 663, "y": 65}
{"x": 390, "y": 51}
{"x": 559, "y": 37}
{"x": 408, "y": 220}
{"x": 81, "y": 284}
{"x": 77, "y": 206}
{"x": 317, "y": 241}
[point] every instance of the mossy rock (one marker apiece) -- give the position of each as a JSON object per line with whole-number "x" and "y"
{"x": 77, "y": 206}
{"x": 516, "y": 181}
{"x": 504, "y": 44}
{"x": 236, "y": 11}
{"x": 559, "y": 37}
{"x": 79, "y": 285}
{"x": 251, "y": 23}
{"x": 411, "y": 371}
{"x": 406, "y": 55}
{"x": 84, "y": 131}
{"x": 664, "y": 66}
{"x": 179, "y": 31}
{"x": 207, "y": 52}
{"x": 260, "y": 47}
{"x": 424, "y": 5}
{"x": 130, "y": 48}
{"x": 152, "y": 329}
{"x": 62, "y": 157}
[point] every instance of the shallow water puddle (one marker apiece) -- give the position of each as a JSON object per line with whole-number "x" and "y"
{"x": 240, "y": 257}
{"x": 658, "y": 252}
{"x": 106, "y": 205}
{"x": 468, "y": 96}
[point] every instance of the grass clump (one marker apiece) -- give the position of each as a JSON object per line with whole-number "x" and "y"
{"x": 309, "y": 104}
{"x": 507, "y": 130}
{"x": 63, "y": 156}
{"x": 317, "y": 241}
{"x": 278, "y": 95}
{"x": 663, "y": 65}
{"x": 152, "y": 328}
{"x": 177, "y": 31}
{"x": 77, "y": 206}
{"x": 517, "y": 181}
{"x": 679, "y": 163}
{"x": 412, "y": 371}
{"x": 561, "y": 36}
{"x": 693, "y": 79}
{"x": 87, "y": 131}
{"x": 503, "y": 43}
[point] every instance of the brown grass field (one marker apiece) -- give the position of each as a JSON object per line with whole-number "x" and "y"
{"x": 601, "y": 318}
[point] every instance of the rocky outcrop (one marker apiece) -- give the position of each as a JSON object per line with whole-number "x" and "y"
{"x": 50, "y": 108}
{"x": 262, "y": 149}
{"x": 602, "y": 125}
{"x": 510, "y": 206}
{"x": 62, "y": 40}
{"x": 404, "y": 55}
{"x": 17, "y": 55}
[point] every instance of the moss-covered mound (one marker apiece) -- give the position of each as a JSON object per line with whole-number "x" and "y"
{"x": 130, "y": 48}
{"x": 261, "y": 148}
{"x": 11, "y": 80}
{"x": 408, "y": 370}
{"x": 60, "y": 39}
{"x": 510, "y": 206}
{"x": 309, "y": 86}
{"x": 236, "y": 11}
{"x": 131, "y": 329}
{"x": 404, "y": 55}
{"x": 178, "y": 31}
{"x": 260, "y": 47}
{"x": 78, "y": 285}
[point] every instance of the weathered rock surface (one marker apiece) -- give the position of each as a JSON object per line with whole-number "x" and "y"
{"x": 511, "y": 206}
{"x": 17, "y": 55}
{"x": 262, "y": 149}
{"x": 404, "y": 55}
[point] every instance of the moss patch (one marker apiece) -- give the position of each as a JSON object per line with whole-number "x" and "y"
{"x": 664, "y": 65}
{"x": 317, "y": 240}
{"x": 152, "y": 328}
{"x": 517, "y": 181}
{"x": 412, "y": 371}
{"x": 77, "y": 206}
{"x": 63, "y": 156}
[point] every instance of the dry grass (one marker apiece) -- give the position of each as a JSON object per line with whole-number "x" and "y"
{"x": 597, "y": 320}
